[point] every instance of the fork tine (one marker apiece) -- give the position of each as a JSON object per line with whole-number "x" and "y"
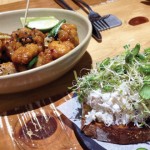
{"x": 98, "y": 26}
{"x": 105, "y": 17}
{"x": 104, "y": 23}
{"x": 101, "y": 25}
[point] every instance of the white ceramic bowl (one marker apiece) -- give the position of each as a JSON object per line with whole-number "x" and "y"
{"x": 10, "y": 21}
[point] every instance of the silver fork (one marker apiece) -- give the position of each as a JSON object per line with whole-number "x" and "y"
{"x": 97, "y": 20}
{"x": 95, "y": 32}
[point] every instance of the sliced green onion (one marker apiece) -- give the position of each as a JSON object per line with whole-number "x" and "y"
{"x": 55, "y": 29}
{"x": 32, "y": 62}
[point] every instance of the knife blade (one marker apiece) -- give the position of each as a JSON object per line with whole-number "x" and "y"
{"x": 85, "y": 141}
{"x": 95, "y": 33}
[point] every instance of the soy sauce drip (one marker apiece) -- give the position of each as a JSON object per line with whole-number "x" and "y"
{"x": 138, "y": 20}
{"x": 39, "y": 128}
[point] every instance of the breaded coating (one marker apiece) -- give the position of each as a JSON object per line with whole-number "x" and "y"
{"x": 9, "y": 46}
{"x": 59, "y": 48}
{"x": 20, "y": 38}
{"x": 25, "y": 36}
{"x": 7, "y": 68}
{"x": 25, "y": 53}
{"x": 68, "y": 32}
{"x": 44, "y": 58}
{"x": 19, "y": 48}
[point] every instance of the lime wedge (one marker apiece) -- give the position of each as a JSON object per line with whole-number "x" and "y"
{"x": 40, "y": 23}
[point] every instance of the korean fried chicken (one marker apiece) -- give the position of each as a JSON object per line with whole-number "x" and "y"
{"x": 24, "y": 44}
{"x": 67, "y": 40}
{"x": 7, "y": 68}
{"x": 59, "y": 48}
{"x": 68, "y": 32}
{"x": 26, "y": 36}
{"x": 24, "y": 54}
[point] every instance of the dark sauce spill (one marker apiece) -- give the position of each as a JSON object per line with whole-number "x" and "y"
{"x": 39, "y": 128}
{"x": 145, "y": 2}
{"x": 138, "y": 20}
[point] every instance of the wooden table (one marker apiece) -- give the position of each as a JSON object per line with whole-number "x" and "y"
{"x": 111, "y": 45}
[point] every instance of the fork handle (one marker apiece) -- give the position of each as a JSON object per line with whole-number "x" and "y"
{"x": 83, "y": 3}
{"x": 95, "y": 33}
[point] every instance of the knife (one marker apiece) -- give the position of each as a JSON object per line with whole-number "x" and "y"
{"x": 95, "y": 33}
{"x": 85, "y": 141}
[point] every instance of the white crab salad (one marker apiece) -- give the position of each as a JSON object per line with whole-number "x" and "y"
{"x": 118, "y": 89}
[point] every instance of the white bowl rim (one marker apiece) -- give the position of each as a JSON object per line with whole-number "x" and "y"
{"x": 26, "y": 72}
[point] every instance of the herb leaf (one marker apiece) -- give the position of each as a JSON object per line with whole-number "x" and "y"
{"x": 55, "y": 29}
{"x": 145, "y": 92}
{"x": 32, "y": 62}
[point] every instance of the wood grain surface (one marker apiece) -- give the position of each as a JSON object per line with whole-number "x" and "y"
{"x": 41, "y": 4}
{"x": 111, "y": 45}
{"x": 2, "y": 2}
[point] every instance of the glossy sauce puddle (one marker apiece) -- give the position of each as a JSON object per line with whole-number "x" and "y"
{"x": 39, "y": 128}
{"x": 138, "y": 20}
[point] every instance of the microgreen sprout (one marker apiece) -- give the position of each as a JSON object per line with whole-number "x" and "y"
{"x": 132, "y": 68}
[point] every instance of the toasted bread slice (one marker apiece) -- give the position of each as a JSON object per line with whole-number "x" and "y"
{"x": 122, "y": 134}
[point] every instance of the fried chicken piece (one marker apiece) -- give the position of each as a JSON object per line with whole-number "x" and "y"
{"x": 19, "y": 44}
{"x": 44, "y": 58}
{"x": 6, "y": 49}
{"x": 26, "y": 35}
{"x": 20, "y": 38}
{"x": 59, "y": 48}
{"x": 7, "y": 68}
{"x": 25, "y": 53}
{"x": 9, "y": 46}
{"x": 68, "y": 32}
